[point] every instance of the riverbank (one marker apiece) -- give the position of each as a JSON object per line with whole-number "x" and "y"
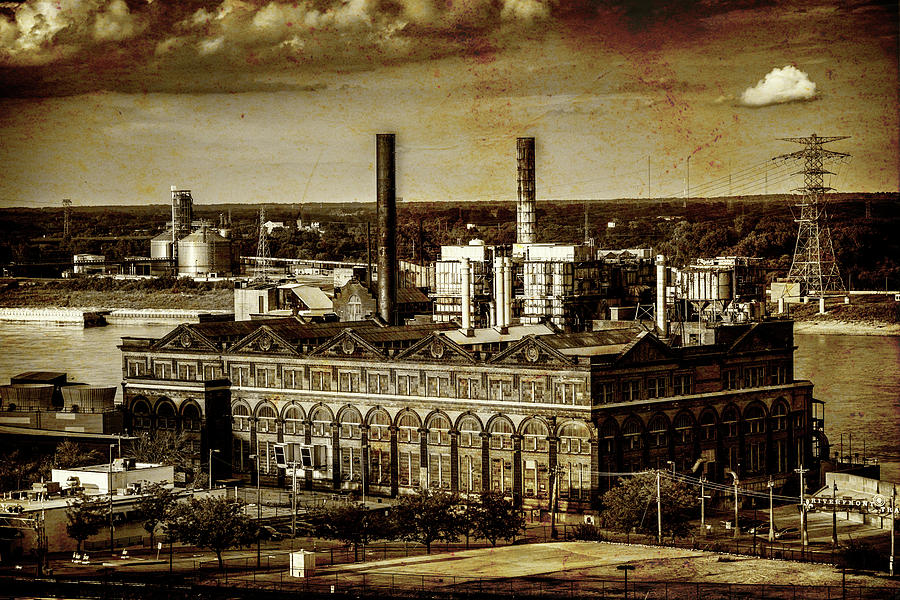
{"x": 52, "y": 295}
{"x": 866, "y": 315}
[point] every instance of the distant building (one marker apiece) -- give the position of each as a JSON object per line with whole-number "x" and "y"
{"x": 272, "y": 226}
{"x": 354, "y": 302}
{"x": 267, "y": 299}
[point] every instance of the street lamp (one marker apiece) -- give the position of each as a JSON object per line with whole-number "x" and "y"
{"x": 736, "y": 526}
{"x": 255, "y": 458}
{"x": 109, "y": 493}
{"x": 211, "y": 452}
{"x": 771, "y": 486}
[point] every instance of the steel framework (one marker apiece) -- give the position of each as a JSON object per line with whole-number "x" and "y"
{"x": 262, "y": 249}
{"x": 67, "y": 212}
{"x": 814, "y": 265}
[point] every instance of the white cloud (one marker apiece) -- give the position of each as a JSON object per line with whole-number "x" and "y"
{"x": 780, "y": 85}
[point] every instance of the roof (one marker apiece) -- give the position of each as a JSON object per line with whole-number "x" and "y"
{"x": 411, "y": 295}
{"x": 489, "y": 335}
{"x": 593, "y": 343}
{"x": 37, "y": 376}
{"x": 165, "y": 236}
{"x": 313, "y": 297}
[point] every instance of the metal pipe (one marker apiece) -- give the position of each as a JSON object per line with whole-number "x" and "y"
{"x": 466, "y": 294}
{"x": 525, "y": 209}
{"x": 507, "y": 291}
{"x": 662, "y": 324}
{"x": 387, "y": 227}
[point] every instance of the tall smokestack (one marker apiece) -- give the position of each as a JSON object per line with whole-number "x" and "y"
{"x": 662, "y": 324}
{"x": 387, "y": 227}
{"x": 525, "y": 189}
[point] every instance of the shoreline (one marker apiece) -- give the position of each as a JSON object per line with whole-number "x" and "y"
{"x": 829, "y": 327}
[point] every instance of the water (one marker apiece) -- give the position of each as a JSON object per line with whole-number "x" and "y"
{"x": 858, "y": 377}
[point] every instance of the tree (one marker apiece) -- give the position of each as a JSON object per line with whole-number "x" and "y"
{"x": 154, "y": 506}
{"x": 632, "y": 505}
{"x": 69, "y": 454}
{"x": 498, "y": 518}
{"x": 353, "y": 524}
{"x": 426, "y": 517}
{"x": 165, "y": 448}
{"x": 216, "y": 523}
{"x": 85, "y": 517}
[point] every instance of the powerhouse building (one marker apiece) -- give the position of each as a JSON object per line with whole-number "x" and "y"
{"x": 386, "y": 409}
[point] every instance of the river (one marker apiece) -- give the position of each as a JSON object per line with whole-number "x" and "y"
{"x": 858, "y": 377}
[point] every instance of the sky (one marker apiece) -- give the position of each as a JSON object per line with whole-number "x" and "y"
{"x": 245, "y": 101}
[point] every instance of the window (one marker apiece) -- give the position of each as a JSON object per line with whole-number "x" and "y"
{"x": 568, "y": 392}
{"x": 574, "y": 438}
{"x": 469, "y": 473}
{"x": 779, "y": 374}
{"x": 631, "y": 435}
{"x": 708, "y": 426}
{"x": 656, "y": 387}
{"x": 684, "y": 428}
{"x": 408, "y": 429}
{"x": 799, "y": 421}
{"x": 267, "y": 419}
{"x": 379, "y": 466}
{"x": 730, "y": 421}
{"x": 190, "y": 418}
{"x": 535, "y": 476}
{"x": 779, "y": 417}
{"x": 501, "y": 475}
{"x": 378, "y": 383}
{"x": 293, "y": 379}
{"x": 631, "y": 390}
{"x": 165, "y": 417}
{"x": 240, "y": 418}
{"x": 681, "y": 384}
{"x": 135, "y": 368}
{"x": 779, "y": 447}
{"x": 501, "y": 435}
{"x": 730, "y": 379}
{"x": 407, "y": 385}
{"x": 293, "y": 421}
{"x": 438, "y": 386}
{"x": 574, "y": 480}
{"x": 659, "y": 432}
{"x": 350, "y": 463}
{"x": 350, "y": 422}
{"x": 408, "y": 472}
{"x": 756, "y": 457}
{"x": 754, "y": 420}
{"x": 534, "y": 436}
{"x": 241, "y": 461}
{"x": 754, "y": 376}
{"x": 212, "y": 372}
{"x": 320, "y": 380}
{"x": 187, "y": 372}
{"x": 608, "y": 436}
{"x": 469, "y": 433}
{"x": 606, "y": 391}
{"x": 468, "y": 387}
{"x": 240, "y": 375}
{"x": 354, "y": 308}
{"x": 380, "y": 427}
{"x": 348, "y": 381}
{"x": 320, "y": 420}
{"x": 439, "y": 469}
{"x": 499, "y": 388}
{"x": 141, "y": 416}
{"x": 439, "y": 431}
{"x": 161, "y": 370}
{"x": 533, "y": 389}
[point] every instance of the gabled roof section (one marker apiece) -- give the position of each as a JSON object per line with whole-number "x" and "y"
{"x": 646, "y": 348}
{"x": 184, "y": 337}
{"x": 765, "y": 336}
{"x": 348, "y": 344}
{"x": 533, "y": 350}
{"x": 437, "y": 347}
{"x": 265, "y": 340}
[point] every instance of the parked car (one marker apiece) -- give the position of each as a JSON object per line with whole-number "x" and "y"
{"x": 267, "y": 532}
{"x": 787, "y": 533}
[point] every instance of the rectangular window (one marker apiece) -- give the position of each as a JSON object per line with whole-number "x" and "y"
{"x": 501, "y": 475}
{"x": 730, "y": 379}
{"x": 265, "y": 376}
{"x": 187, "y": 372}
{"x": 350, "y": 463}
{"x": 293, "y": 379}
{"x": 781, "y": 459}
{"x": 211, "y": 372}
{"x": 656, "y": 387}
{"x": 320, "y": 380}
{"x": 606, "y": 392}
{"x": 631, "y": 390}
{"x": 469, "y": 473}
{"x": 438, "y": 386}
{"x": 573, "y": 480}
{"x": 409, "y": 468}
{"x": 754, "y": 376}
{"x": 379, "y": 466}
{"x": 378, "y": 383}
{"x": 532, "y": 389}
{"x": 468, "y": 387}
{"x": 348, "y": 381}
{"x": 407, "y": 385}
{"x": 240, "y": 375}
{"x": 439, "y": 470}
{"x": 135, "y": 368}
{"x": 241, "y": 461}
{"x": 535, "y": 477}
{"x": 161, "y": 370}
{"x": 681, "y": 384}
{"x": 779, "y": 375}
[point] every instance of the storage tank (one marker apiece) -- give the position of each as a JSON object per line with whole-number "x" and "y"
{"x": 161, "y": 245}
{"x": 88, "y": 398}
{"x": 707, "y": 284}
{"x": 204, "y": 252}
{"x": 26, "y": 396}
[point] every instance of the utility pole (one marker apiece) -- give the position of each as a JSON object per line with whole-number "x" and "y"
{"x": 112, "y": 542}
{"x": 737, "y": 530}
{"x": 658, "y": 510}
{"x": 703, "y": 498}
{"x": 804, "y": 535}
{"x": 814, "y": 265}
{"x": 554, "y": 490}
{"x": 262, "y": 248}
{"x": 211, "y": 452}
{"x": 67, "y": 216}
{"x": 893, "y": 516}
{"x": 771, "y": 486}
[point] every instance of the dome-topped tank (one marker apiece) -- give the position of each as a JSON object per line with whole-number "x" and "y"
{"x": 204, "y": 252}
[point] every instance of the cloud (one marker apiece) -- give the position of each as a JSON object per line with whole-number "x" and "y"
{"x": 780, "y": 85}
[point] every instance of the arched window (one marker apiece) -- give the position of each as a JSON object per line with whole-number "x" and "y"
{"x": 165, "y": 417}
{"x": 354, "y": 308}
{"x": 293, "y": 421}
{"x": 608, "y": 434}
{"x": 439, "y": 431}
{"x": 659, "y": 431}
{"x": 379, "y": 426}
{"x": 754, "y": 420}
{"x": 190, "y": 418}
{"x": 320, "y": 419}
{"x": 141, "y": 415}
{"x": 574, "y": 438}
{"x": 469, "y": 432}
{"x": 779, "y": 417}
{"x": 240, "y": 418}
{"x": 631, "y": 434}
{"x": 268, "y": 419}
{"x": 730, "y": 420}
{"x": 684, "y": 428}
{"x": 501, "y": 434}
{"x": 708, "y": 426}
{"x": 534, "y": 436}
{"x": 350, "y": 422}
{"x": 408, "y": 428}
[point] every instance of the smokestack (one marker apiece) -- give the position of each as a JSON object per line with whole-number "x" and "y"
{"x": 466, "y": 296}
{"x": 525, "y": 190}
{"x": 387, "y": 227}
{"x": 507, "y": 291}
{"x": 662, "y": 324}
{"x": 498, "y": 292}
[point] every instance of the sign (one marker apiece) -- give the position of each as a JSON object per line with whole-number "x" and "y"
{"x": 877, "y": 505}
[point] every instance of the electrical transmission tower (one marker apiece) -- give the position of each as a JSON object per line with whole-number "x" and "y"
{"x": 814, "y": 265}
{"x": 262, "y": 249}
{"x": 67, "y": 214}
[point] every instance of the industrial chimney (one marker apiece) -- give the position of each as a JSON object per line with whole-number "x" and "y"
{"x": 387, "y": 227}
{"x": 525, "y": 190}
{"x": 662, "y": 322}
